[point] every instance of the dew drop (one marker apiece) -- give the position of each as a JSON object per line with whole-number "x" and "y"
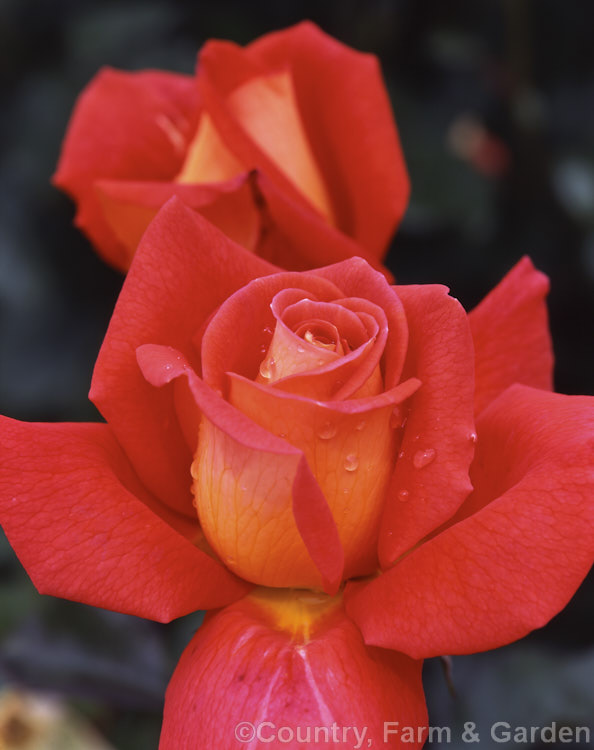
{"x": 195, "y": 469}
{"x": 403, "y": 496}
{"x": 230, "y": 561}
{"x": 423, "y": 458}
{"x": 267, "y": 368}
{"x": 351, "y": 462}
{"x": 267, "y": 331}
{"x": 401, "y": 454}
{"x": 168, "y": 367}
{"x": 360, "y": 426}
{"x": 395, "y": 418}
{"x": 472, "y": 437}
{"x": 327, "y": 431}
{"x": 300, "y": 349}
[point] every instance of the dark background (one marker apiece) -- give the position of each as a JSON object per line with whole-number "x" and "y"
{"x": 516, "y": 79}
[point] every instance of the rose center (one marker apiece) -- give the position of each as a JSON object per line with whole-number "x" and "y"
{"x": 322, "y": 334}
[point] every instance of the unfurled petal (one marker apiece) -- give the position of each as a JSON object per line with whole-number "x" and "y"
{"x": 516, "y": 551}
{"x": 80, "y": 522}
{"x": 339, "y": 92}
{"x": 279, "y": 664}
{"x": 159, "y": 109}
{"x": 511, "y": 335}
{"x": 235, "y": 456}
{"x": 431, "y": 476}
{"x": 350, "y": 447}
{"x": 165, "y": 302}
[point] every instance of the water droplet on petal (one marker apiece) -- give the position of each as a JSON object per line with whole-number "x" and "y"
{"x": 267, "y": 331}
{"x": 230, "y": 561}
{"x": 168, "y": 367}
{"x": 472, "y": 437}
{"x": 395, "y": 418}
{"x": 351, "y": 462}
{"x": 300, "y": 349}
{"x": 423, "y": 458}
{"x": 401, "y": 454}
{"x": 327, "y": 431}
{"x": 195, "y": 469}
{"x": 403, "y": 496}
{"x": 268, "y": 367}
{"x": 360, "y": 426}
{"x": 417, "y": 437}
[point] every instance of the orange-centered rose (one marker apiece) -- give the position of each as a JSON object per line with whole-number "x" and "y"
{"x": 320, "y": 387}
{"x": 314, "y": 430}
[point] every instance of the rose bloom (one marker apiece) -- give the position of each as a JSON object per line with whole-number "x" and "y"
{"x": 355, "y": 475}
{"x": 289, "y": 145}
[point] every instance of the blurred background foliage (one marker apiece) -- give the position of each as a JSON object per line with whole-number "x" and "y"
{"x": 494, "y": 102}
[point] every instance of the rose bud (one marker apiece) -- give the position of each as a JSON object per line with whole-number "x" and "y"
{"x": 289, "y": 145}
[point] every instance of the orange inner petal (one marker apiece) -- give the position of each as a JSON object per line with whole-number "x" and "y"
{"x": 208, "y": 159}
{"x": 267, "y": 110}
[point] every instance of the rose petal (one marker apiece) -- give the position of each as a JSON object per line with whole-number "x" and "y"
{"x": 308, "y": 370}
{"x": 511, "y": 335}
{"x": 523, "y": 544}
{"x": 297, "y": 238}
{"x": 267, "y": 109}
{"x": 431, "y": 473}
{"x": 241, "y": 670}
{"x": 349, "y": 123}
{"x": 70, "y": 507}
{"x": 184, "y": 268}
{"x": 159, "y": 109}
{"x": 357, "y": 279}
{"x": 350, "y": 447}
{"x": 234, "y": 446}
{"x": 251, "y": 334}
{"x": 129, "y": 207}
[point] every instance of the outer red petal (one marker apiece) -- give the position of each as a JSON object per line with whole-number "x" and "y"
{"x": 297, "y": 238}
{"x": 183, "y": 270}
{"x": 516, "y": 560}
{"x": 124, "y": 126}
{"x": 431, "y": 474}
{"x": 240, "y": 672}
{"x": 70, "y": 507}
{"x": 511, "y": 335}
{"x": 348, "y": 119}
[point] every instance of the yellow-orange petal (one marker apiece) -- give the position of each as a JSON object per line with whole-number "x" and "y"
{"x": 208, "y": 158}
{"x": 266, "y": 107}
{"x": 244, "y": 498}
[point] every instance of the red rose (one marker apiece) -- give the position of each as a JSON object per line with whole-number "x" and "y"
{"x": 309, "y": 114}
{"x": 325, "y": 423}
